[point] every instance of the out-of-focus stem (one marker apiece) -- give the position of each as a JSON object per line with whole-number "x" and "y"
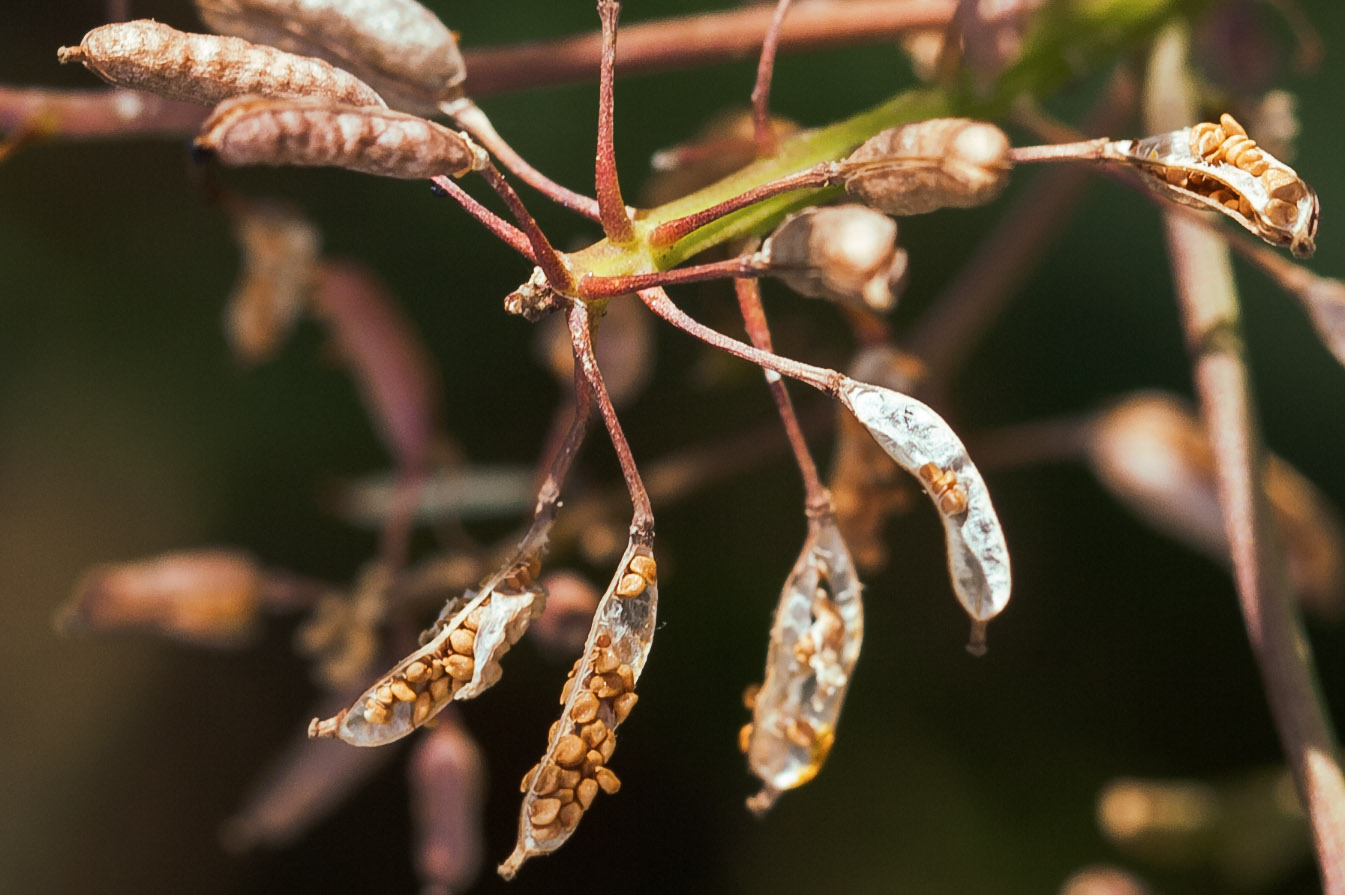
{"x": 1210, "y": 321}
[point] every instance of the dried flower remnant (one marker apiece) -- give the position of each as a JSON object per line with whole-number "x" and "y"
{"x": 206, "y": 597}
{"x": 815, "y": 641}
{"x": 597, "y": 698}
{"x": 446, "y": 777}
{"x": 315, "y": 133}
{"x": 847, "y": 253}
{"x": 280, "y": 248}
{"x": 398, "y": 46}
{"x": 459, "y": 660}
{"x": 914, "y": 436}
{"x": 921, "y": 167}
{"x": 206, "y": 68}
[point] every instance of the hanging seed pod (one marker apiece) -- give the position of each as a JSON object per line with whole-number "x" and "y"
{"x": 460, "y": 658}
{"x": 447, "y": 780}
{"x": 207, "y": 68}
{"x": 280, "y": 249}
{"x": 815, "y": 640}
{"x": 314, "y": 133}
{"x": 847, "y": 253}
{"x": 921, "y": 167}
{"x": 206, "y": 597}
{"x": 597, "y": 698}
{"x": 1218, "y": 167}
{"x": 926, "y": 447}
{"x": 398, "y": 46}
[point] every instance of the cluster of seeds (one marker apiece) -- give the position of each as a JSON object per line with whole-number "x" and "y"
{"x": 949, "y": 496}
{"x": 640, "y": 573}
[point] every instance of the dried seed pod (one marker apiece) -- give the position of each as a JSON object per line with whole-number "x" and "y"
{"x": 496, "y": 614}
{"x": 208, "y": 597}
{"x": 847, "y": 253}
{"x": 794, "y": 714}
{"x": 280, "y": 250}
{"x": 316, "y": 133}
{"x": 447, "y": 801}
{"x": 207, "y": 68}
{"x": 624, "y": 627}
{"x": 398, "y": 46}
{"x": 914, "y": 435}
{"x": 927, "y": 165}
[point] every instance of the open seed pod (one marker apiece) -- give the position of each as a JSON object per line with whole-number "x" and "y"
{"x": 815, "y": 640}
{"x": 459, "y": 660}
{"x": 597, "y": 698}
{"x": 846, "y": 253}
{"x": 926, "y": 447}
{"x": 398, "y": 46}
{"x": 920, "y": 167}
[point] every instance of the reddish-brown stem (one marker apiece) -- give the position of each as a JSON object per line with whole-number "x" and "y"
{"x": 820, "y": 378}
{"x": 762, "y": 132}
{"x": 1083, "y": 151}
{"x": 93, "y": 113}
{"x": 502, "y": 229}
{"x": 615, "y": 220}
{"x": 689, "y": 41}
{"x": 1208, "y": 303}
{"x": 667, "y": 233}
{"x": 548, "y": 495}
{"x": 546, "y": 257}
{"x": 754, "y": 319}
{"x": 591, "y": 287}
{"x": 470, "y": 117}
{"x": 581, "y": 337}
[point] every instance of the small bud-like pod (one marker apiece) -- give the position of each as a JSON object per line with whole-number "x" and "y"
{"x": 314, "y": 133}
{"x": 398, "y": 46}
{"x": 447, "y": 782}
{"x": 207, "y": 68}
{"x": 815, "y": 640}
{"x": 847, "y": 253}
{"x": 207, "y": 597}
{"x": 559, "y": 790}
{"x": 916, "y": 437}
{"x": 280, "y": 252}
{"x": 927, "y": 165}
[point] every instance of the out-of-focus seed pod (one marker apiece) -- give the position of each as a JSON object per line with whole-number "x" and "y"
{"x": 207, "y": 597}
{"x": 846, "y": 253}
{"x": 398, "y": 46}
{"x": 280, "y": 250}
{"x": 1104, "y": 880}
{"x": 563, "y": 626}
{"x": 315, "y": 133}
{"x": 725, "y": 144}
{"x": 447, "y": 783}
{"x": 1152, "y": 453}
{"x": 815, "y": 641}
{"x": 927, "y": 165}
{"x": 207, "y": 68}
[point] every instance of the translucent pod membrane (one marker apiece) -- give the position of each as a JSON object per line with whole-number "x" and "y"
{"x": 597, "y": 698}
{"x": 461, "y": 659}
{"x": 815, "y": 641}
{"x": 1216, "y": 166}
{"x": 926, "y": 447}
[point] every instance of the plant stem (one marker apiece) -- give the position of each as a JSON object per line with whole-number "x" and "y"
{"x": 762, "y": 132}
{"x": 547, "y": 258}
{"x": 611, "y": 207}
{"x": 499, "y": 228}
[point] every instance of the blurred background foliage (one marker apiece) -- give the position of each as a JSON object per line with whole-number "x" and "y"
{"x": 126, "y": 429}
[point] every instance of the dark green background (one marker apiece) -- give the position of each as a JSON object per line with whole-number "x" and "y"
{"x": 126, "y": 430}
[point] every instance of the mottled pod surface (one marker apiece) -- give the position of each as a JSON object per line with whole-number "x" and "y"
{"x": 928, "y": 165}
{"x": 208, "y": 68}
{"x": 398, "y": 46}
{"x": 846, "y": 253}
{"x": 252, "y": 131}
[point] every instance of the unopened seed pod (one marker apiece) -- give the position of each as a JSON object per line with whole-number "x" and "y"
{"x": 398, "y": 46}
{"x": 208, "y": 68}
{"x": 309, "y": 133}
{"x": 921, "y": 167}
{"x": 280, "y": 252}
{"x": 847, "y": 253}
{"x": 446, "y": 777}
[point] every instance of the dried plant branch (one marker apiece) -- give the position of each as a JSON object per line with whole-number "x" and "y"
{"x": 763, "y": 134}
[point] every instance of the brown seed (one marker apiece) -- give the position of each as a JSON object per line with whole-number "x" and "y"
{"x": 529, "y": 777}
{"x": 566, "y": 690}
{"x": 1280, "y": 213}
{"x": 384, "y": 694}
{"x": 1284, "y": 185}
{"x": 585, "y": 707}
{"x": 551, "y": 733}
{"x": 544, "y": 811}
{"x": 645, "y": 567}
{"x": 592, "y": 761}
{"x": 750, "y": 696}
{"x": 421, "y": 711}
{"x": 547, "y": 780}
{"x": 622, "y": 705}
{"x": 462, "y": 641}
{"x": 610, "y": 783}
{"x": 626, "y": 675}
{"x": 460, "y": 668}
{"x": 473, "y": 619}
{"x": 568, "y": 779}
{"x": 439, "y": 689}
{"x": 631, "y": 585}
{"x": 564, "y": 796}
{"x": 586, "y": 793}
{"x": 607, "y": 686}
{"x": 318, "y": 133}
{"x": 570, "y": 815}
{"x": 514, "y": 582}
{"x": 608, "y": 746}
{"x": 547, "y": 833}
{"x": 603, "y": 642}
{"x": 569, "y": 751}
{"x": 744, "y": 738}
{"x": 593, "y": 733}
{"x": 436, "y": 669}
{"x": 605, "y": 661}
{"x": 207, "y": 68}
{"x": 376, "y": 713}
{"x": 417, "y": 672}
{"x": 402, "y": 690}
